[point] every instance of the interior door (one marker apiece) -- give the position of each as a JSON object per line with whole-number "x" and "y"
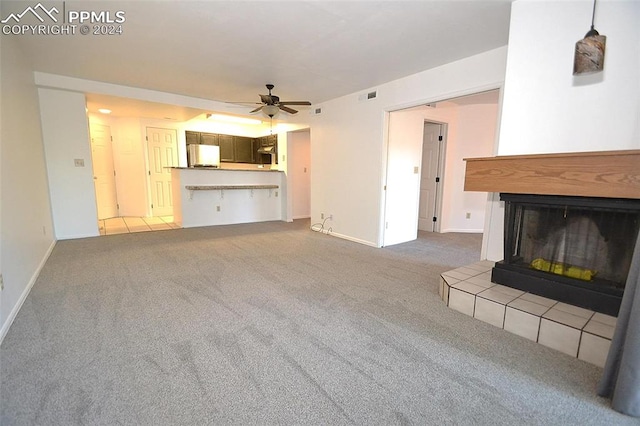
{"x": 104, "y": 175}
{"x": 403, "y": 176}
{"x": 162, "y": 146}
{"x": 429, "y": 179}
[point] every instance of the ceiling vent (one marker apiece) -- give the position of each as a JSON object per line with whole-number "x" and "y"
{"x": 317, "y": 111}
{"x": 368, "y": 96}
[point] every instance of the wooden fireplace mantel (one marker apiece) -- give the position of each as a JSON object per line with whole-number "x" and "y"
{"x": 610, "y": 174}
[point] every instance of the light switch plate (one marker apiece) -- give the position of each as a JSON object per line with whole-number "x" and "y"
{"x": 78, "y": 162}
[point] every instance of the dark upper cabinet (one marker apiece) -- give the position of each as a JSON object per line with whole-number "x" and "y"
{"x": 227, "y": 151}
{"x": 243, "y": 149}
{"x": 235, "y": 149}
{"x": 270, "y": 140}
{"x": 209, "y": 138}
{"x": 192, "y": 137}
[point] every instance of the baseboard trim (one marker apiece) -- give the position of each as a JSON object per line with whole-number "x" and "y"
{"x": 14, "y": 312}
{"x": 346, "y": 237}
{"x": 463, "y": 231}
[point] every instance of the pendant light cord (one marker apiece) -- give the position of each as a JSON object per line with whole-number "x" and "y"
{"x": 593, "y": 15}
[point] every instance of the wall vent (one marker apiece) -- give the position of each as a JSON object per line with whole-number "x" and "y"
{"x": 368, "y": 96}
{"x": 317, "y": 111}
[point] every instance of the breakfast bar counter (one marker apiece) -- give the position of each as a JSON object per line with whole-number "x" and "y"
{"x": 204, "y": 196}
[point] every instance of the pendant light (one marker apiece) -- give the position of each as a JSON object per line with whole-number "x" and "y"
{"x": 589, "y": 54}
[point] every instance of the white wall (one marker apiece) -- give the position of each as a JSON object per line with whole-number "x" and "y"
{"x": 348, "y": 150}
{"x": 26, "y": 236}
{"x": 65, "y": 130}
{"x": 545, "y": 108}
{"x": 475, "y": 137}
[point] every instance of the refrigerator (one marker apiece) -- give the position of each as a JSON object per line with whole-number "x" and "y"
{"x": 203, "y": 155}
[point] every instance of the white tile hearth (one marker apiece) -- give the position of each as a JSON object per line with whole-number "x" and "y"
{"x": 569, "y": 329}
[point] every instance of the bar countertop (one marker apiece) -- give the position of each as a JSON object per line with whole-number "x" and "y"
{"x": 226, "y": 170}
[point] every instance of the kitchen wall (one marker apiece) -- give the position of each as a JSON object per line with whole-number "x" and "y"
{"x": 130, "y": 157}
{"x": 26, "y": 236}
{"x": 546, "y": 109}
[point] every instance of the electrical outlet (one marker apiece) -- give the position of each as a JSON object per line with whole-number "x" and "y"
{"x": 321, "y": 215}
{"x": 330, "y": 217}
{"x": 78, "y": 162}
{"x": 468, "y": 215}
{"x": 217, "y": 208}
{"x": 1, "y": 283}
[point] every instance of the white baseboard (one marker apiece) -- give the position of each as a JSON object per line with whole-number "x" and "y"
{"x": 463, "y": 231}
{"x": 346, "y": 237}
{"x": 12, "y": 316}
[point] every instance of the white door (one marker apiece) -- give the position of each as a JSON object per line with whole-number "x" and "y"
{"x": 162, "y": 146}
{"x": 429, "y": 179}
{"x": 104, "y": 175}
{"x": 403, "y": 177}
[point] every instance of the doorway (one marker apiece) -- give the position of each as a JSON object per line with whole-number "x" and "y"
{"x": 162, "y": 153}
{"x": 104, "y": 175}
{"x": 431, "y": 177}
{"x": 469, "y": 125}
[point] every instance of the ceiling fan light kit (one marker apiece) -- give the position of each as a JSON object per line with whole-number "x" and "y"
{"x": 270, "y": 110}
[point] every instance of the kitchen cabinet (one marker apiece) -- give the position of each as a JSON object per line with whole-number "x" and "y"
{"x": 209, "y": 138}
{"x": 270, "y": 140}
{"x": 243, "y": 149}
{"x": 192, "y": 137}
{"x": 235, "y": 149}
{"x": 227, "y": 150}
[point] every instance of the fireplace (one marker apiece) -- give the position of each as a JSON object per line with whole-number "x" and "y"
{"x": 575, "y": 250}
{"x": 571, "y": 222}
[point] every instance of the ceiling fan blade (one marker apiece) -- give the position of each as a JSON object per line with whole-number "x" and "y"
{"x": 287, "y": 109}
{"x": 257, "y": 109}
{"x": 267, "y": 99}
{"x": 295, "y": 103}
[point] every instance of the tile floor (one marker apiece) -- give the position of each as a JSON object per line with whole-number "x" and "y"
{"x": 569, "y": 329}
{"x": 125, "y": 225}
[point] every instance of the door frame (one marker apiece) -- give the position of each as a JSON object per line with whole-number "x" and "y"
{"x": 385, "y": 141}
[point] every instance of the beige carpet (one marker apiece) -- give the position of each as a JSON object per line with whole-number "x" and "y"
{"x": 273, "y": 324}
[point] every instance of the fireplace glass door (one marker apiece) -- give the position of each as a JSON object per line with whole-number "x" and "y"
{"x": 575, "y": 241}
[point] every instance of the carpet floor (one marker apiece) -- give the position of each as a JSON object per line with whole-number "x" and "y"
{"x": 272, "y": 323}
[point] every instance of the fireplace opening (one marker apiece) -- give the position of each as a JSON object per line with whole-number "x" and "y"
{"x": 576, "y": 250}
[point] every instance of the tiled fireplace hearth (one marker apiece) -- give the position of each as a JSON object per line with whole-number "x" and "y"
{"x": 570, "y": 227}
{"x": 575, "y": 331}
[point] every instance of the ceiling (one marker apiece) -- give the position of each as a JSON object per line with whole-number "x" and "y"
{"x": 228, "y": 50}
